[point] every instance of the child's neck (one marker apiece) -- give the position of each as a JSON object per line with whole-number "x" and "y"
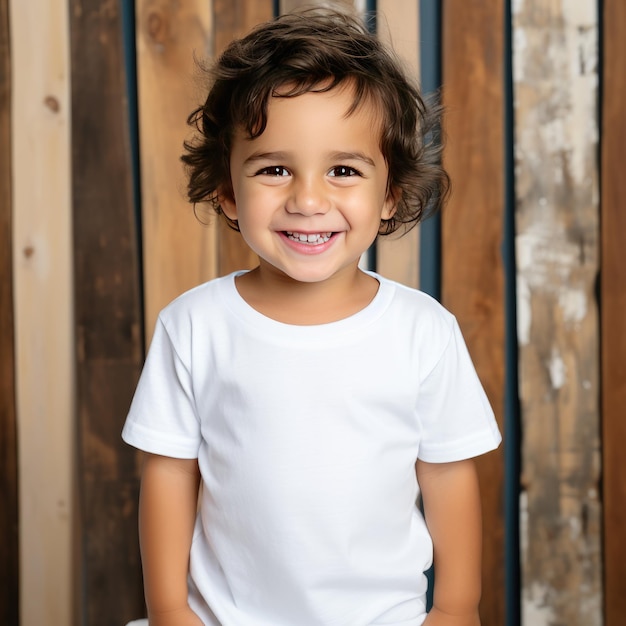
{"x": 283, "y": 299}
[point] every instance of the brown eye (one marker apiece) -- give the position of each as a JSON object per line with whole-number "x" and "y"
{"x": 273, "y": 170}
{"x": 343, "y": 170}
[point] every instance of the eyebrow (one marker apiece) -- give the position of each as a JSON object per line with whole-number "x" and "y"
{"x": 334, "y": 156}
{"x": 353, "y": 156}
{"x": 266, "y": 156}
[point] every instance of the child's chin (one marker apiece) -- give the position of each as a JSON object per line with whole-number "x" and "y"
{"x": 307, "y": 275}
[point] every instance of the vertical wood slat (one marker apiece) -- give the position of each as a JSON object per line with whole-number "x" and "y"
{"x": 107, "y": 318}
{"x": 613, "y": 299}
{"x": 179, "y": 252}
{"x": 397, "y": 24}
{"x": 555, "y": 61}
{"x": 42, "y": 300}
{"x": 472, "y": 228}
{"x": 233, "y": 20}
{"x": 9, "y": 554}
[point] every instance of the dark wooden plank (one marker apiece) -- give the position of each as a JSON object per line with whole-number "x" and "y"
{"x": 555, "y": 79}
{"x": 9, "y": 555}
{"x": 107, "y": 318}
{"x": 613, "y": 307}
{"x": 472, "y": 227}
{"x": 232, "y": 20}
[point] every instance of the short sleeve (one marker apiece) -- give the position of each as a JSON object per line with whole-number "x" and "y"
{"x": 456, "y": 418}
{"x": 162, "y": 418}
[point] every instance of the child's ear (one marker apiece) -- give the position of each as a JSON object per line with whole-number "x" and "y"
{"x": 227, "y": 203}
{"x": 391, "y": 203}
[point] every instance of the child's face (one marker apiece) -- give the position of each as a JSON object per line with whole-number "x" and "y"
{"x": 310, "y": 192}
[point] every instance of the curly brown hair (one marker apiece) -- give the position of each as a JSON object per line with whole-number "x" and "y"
{"x": 314, "y": 51}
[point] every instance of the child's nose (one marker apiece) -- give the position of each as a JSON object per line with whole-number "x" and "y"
{"x": 308, "y": 197}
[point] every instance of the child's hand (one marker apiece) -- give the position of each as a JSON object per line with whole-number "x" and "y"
{"x": 181, "y": 617}
{"x": 439, "y": 618}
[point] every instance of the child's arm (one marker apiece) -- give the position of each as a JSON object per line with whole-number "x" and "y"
{"x": 452, "y": 509}
{"x": 167, "y": 512}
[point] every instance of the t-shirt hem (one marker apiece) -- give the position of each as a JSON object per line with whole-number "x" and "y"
{"x": 478, "y": 444}
{"x": 158, "y": 443}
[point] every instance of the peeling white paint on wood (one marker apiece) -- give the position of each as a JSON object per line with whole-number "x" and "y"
{"x": 524, "y": 314}
{"x": 519, "y": 44}
{"x": 557, "y": 369}
{"x": 573, "y": 304}
{"x": 547, "y": 261}
{"x": 536, "y": 610}
{"x": 555, "y": 71}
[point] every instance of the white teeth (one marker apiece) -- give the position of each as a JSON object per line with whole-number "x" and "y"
{"x": 315, "y": 238}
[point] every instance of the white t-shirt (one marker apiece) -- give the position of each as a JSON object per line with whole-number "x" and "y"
{"x": 306, "y": 438}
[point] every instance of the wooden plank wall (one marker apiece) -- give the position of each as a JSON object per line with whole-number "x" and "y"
{"x": 397, "y": 24}
{"x": 292, "y": 5}
{"x": 9, "y": 555}
{"x": 42, "y": 270}
{"x": 108, "y": 322}
{"x": 557, "y": 237}
{"x": 178, "y": 253}
{"x": 472, "y": 231}
{"x": 232, "y": 20}
{"x": 613, "y": 306}
{"x": 80, "y": 319}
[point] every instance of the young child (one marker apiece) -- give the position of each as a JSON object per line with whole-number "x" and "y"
{"x": 309, "y": 402}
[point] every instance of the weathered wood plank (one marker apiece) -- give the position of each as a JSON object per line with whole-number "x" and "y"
{"x": 43, "y": 306}
{"x": 178, "y": 251}
{"x": 398, "y": 24}
{"x": 293, "y": 5}
{"x": 9, "y": 554}
{"x": 613, "y": 307}
{"x": 233, "y": 20}
{"x": 107, "y": 317}
{"x": 555, "y": 73}
{"x": 472, "y": 228}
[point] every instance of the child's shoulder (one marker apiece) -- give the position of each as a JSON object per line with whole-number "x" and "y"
{"x": 202, "y": 300}
{"x": 416, "y": 303}
{"x": 418, "y": 318}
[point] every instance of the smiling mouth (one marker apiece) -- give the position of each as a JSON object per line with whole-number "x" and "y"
{"x": 308, "y": 238}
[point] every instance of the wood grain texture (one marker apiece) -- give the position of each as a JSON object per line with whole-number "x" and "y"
{"x": 613, "y": 307}
{"x": 43, "y": 306}
{"x": 234, "y": 20}
{"x": 398, "y": 25}
{"x": 294, "y": 5}
{"x": 179, "y": 252}
{"x": 9, "y": 555}
{"x": 107, "y": 318}
{"x": 472, "y": 230}
{"x": 555, "y": 68}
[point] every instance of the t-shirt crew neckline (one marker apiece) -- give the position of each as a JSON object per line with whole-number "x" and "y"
{"x": 261, "y": 323}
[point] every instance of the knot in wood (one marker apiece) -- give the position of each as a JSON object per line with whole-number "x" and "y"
{"x": 156, "y": 27}
{"x": 52, "y": 103}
